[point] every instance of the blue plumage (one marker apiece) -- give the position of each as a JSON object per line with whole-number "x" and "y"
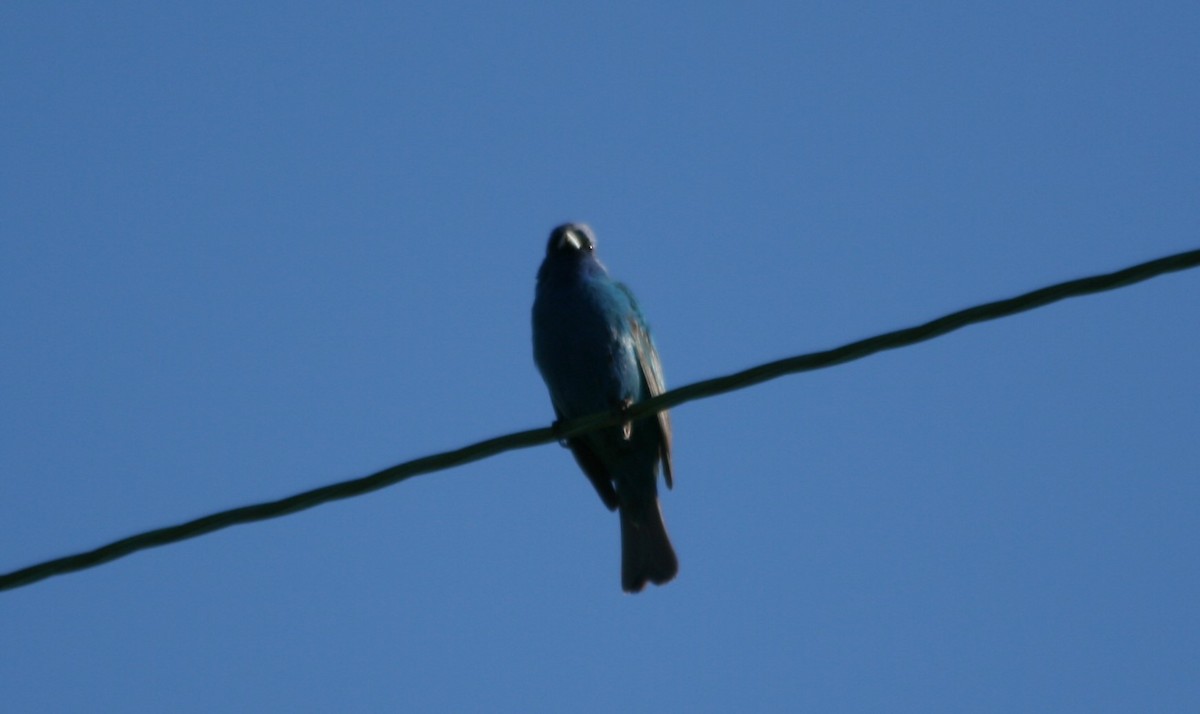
{"x": 594, "y": 350}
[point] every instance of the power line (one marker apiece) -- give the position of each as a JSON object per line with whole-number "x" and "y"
{"x": 536, "y": 437}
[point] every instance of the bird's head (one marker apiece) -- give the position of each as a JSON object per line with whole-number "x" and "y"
{"x": 571, "y": 239}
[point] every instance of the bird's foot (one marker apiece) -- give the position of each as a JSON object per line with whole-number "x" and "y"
{"x": 556, "y": 427}
{"x": 626, "y": 425}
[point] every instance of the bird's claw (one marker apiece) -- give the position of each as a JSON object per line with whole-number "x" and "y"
{"x": 556, "y": 427}
{"x": 626, "y": 425}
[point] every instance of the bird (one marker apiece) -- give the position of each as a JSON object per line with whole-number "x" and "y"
{"x": 594, "y": 351}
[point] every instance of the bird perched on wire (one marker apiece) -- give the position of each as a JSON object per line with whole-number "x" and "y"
{"x": 594, "y": 350}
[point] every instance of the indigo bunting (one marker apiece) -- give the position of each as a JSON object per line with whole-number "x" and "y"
{"x": 594, "y": 351}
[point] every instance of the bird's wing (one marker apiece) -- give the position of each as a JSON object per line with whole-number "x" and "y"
{"x": 652, "y": 375}
{"x": 592, "y": 467}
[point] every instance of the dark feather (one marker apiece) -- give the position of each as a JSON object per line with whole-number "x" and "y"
{"x": 652, "y": 372}
{"x": 593, "y": 468}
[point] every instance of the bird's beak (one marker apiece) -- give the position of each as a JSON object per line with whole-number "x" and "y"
{"x": 574, "y": 239}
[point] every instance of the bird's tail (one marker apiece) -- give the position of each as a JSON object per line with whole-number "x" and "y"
{"x": 646, "y": 552}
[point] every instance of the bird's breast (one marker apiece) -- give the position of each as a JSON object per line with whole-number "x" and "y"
{"x": 584, "y": 350}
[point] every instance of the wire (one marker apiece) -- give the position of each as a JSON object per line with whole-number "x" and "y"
{"x": 575, "y": 427}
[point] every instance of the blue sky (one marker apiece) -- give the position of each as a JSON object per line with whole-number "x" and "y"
{"x": 250, "y": 250}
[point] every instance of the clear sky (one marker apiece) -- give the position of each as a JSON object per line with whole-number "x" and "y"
{"x": 248, "y": 249}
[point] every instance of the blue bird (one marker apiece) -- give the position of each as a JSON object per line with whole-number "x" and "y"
{"x": 594, "y": 350}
